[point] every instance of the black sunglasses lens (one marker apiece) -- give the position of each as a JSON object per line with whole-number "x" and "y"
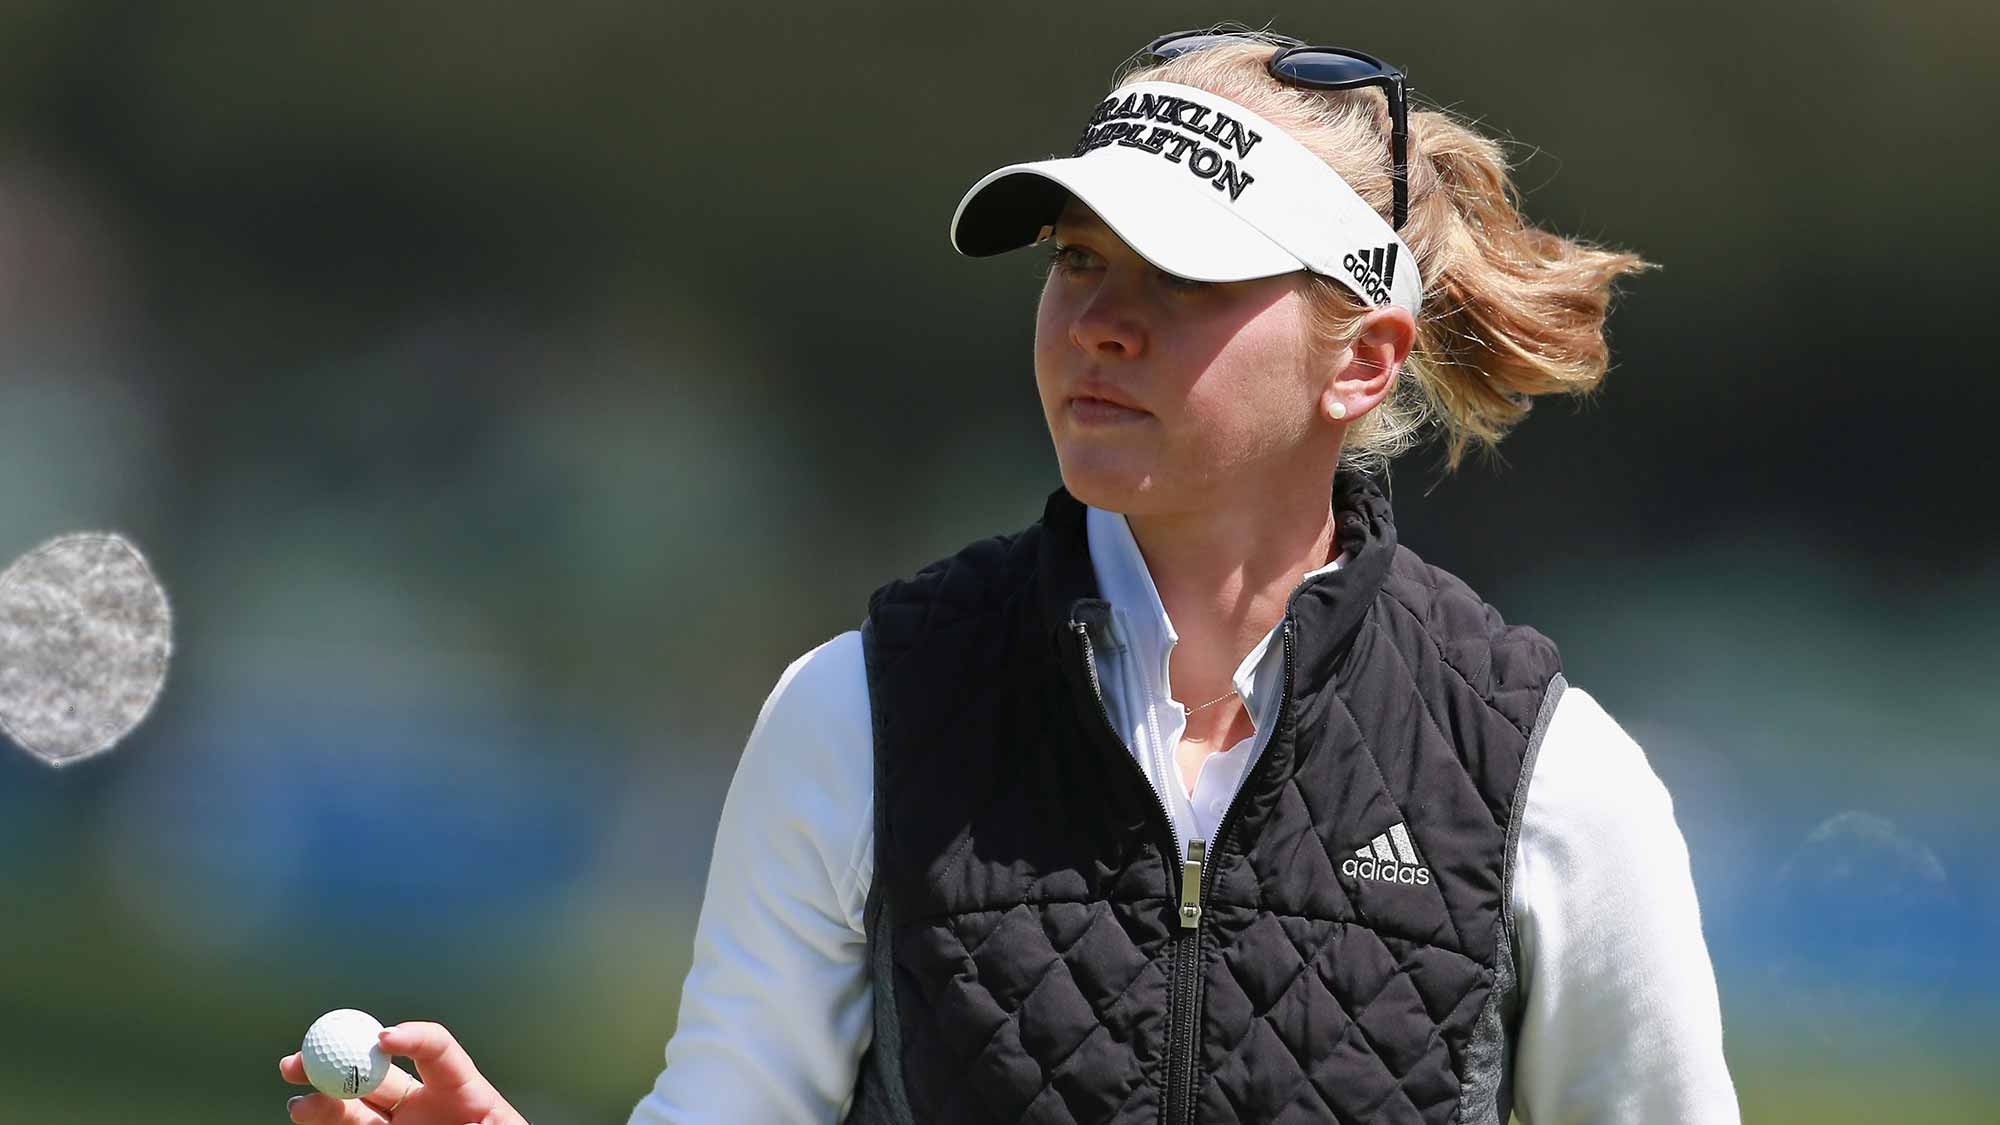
{"x": 1329, "y": 68}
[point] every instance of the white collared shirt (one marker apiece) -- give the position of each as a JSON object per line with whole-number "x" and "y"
{"x": 1620, "y": 1020}
{"x": 1134, "y": 671}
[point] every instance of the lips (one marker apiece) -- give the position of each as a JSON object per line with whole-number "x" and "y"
{"x": 1089, "y": 391}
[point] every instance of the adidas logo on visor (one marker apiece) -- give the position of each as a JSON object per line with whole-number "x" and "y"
{"x": 1375, "y": 270}
{"x": 1389, "y": 858}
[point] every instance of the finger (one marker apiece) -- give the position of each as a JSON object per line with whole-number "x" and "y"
{"x": 319, "y": 1109}
{"x": 440, "y": 1060}
{"x": 396, "y": 1085}
{"x": 294, "y": 1069}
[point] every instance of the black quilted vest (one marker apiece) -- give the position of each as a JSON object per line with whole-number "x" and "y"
{"x": 1041, "y": 953}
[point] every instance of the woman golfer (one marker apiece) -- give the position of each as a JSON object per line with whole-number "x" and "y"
{"x": 1202, "y": 798}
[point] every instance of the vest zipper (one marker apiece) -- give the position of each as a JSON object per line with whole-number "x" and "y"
{"x": 1181, "y": 1037}
{"x": 1185, "y": 994}
{"x": 1185, "y": 999}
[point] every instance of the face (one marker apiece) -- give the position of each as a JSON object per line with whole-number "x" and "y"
{"x": 1216, "y": 380}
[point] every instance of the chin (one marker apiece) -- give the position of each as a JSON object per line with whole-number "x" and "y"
{"x": 1104, "y": 483}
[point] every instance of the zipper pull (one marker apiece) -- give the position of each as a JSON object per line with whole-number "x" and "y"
{"x": 1191, "y": 884}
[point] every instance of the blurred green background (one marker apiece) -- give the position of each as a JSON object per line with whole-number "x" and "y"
{"x": 506, "y": 394}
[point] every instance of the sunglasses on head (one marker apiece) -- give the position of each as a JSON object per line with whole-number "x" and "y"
{"x": 1318, "y": 68}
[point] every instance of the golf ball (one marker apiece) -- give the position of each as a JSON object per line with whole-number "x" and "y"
{"x": 342, "y": 1056}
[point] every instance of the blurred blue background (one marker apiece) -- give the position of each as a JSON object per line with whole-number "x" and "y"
{"x": 505, "y": 396}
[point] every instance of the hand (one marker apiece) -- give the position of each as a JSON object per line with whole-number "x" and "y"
{"x": 452, "y": 1091}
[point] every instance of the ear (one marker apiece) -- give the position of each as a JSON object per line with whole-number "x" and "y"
{"x": 1367, "y": 367}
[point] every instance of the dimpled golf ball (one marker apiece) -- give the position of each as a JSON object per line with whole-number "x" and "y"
{"x": 342, "y": 1056}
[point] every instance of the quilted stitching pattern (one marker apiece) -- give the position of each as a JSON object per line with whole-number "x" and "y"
{"x": 1039, "y": 1005}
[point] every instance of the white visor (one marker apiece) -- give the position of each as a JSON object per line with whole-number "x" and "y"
{"x": 1202, "y": 188}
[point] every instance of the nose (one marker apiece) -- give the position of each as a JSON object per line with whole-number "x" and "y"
{"x": 1109, "y": 324}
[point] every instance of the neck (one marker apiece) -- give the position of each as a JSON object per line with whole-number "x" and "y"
{"x": 1223, "y": 575}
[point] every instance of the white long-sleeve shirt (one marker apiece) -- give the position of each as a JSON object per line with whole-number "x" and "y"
{"x": 1620, "y": 1022}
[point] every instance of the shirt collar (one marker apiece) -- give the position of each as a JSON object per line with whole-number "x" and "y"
{"x": 1125, "y": 582}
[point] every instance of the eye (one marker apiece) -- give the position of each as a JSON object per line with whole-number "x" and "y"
{"x": 1068, "y": 260}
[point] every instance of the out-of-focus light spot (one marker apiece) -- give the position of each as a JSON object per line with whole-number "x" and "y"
{"x": 85, "y": 635}
{"x": 1869, "y": 932}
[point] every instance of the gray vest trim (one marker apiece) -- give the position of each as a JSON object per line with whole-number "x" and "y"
{"x": 1488, "y": 1097}
{"x": 879, "y": 1096}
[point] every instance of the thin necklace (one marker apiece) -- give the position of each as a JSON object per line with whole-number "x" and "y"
{"x": 1186, "y": 710}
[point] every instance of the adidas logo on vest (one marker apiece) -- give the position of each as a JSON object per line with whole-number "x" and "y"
{"x": 1390, "y": 858}
{"x": 1374, "y": 269}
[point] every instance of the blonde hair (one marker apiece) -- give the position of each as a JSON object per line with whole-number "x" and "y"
{"x": 1509, "y": 312}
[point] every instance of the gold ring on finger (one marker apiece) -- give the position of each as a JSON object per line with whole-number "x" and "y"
{"x": 408, "y": 1085}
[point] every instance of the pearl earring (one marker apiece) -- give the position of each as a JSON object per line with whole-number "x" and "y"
{"x": 1338, "y": 409}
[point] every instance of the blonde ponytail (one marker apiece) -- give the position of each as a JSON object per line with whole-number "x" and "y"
{"x": 1518, "y": 312}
